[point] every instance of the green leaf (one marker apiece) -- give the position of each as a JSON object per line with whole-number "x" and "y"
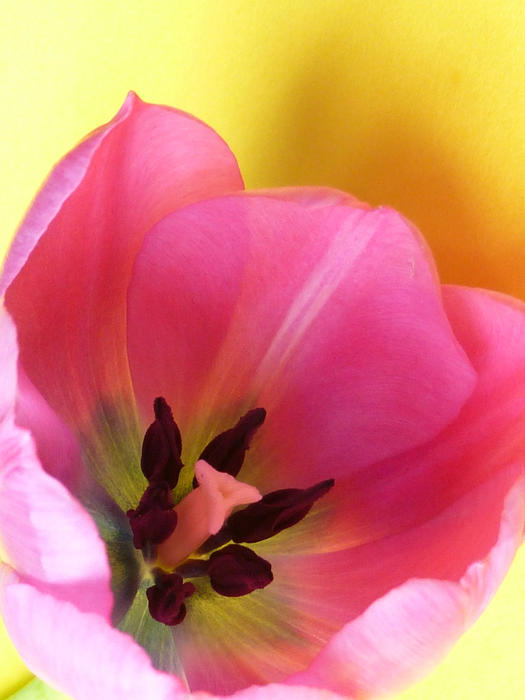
{"x": 38, "y": 690}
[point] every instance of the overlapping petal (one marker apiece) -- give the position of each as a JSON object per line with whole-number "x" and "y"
{"x": 279, "y": 630}
{"x": 68, "y": 271}
{"x": 488, "y": 435}
{"x": 311, "y": 197}
{"x": 324, "y": 316}
{"x": 45, "y": 533}
{"x": 8, "y": 361}
{"x": 135, "y": 275}
{"x": 359, "y": 511}
{"x": 57, "y": 448}
{"x": 85, "y": 658}
{"x": 78, "y": 652}
{"x": 403, "y": 634}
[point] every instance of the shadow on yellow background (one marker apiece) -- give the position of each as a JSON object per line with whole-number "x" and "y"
{"x": 412, "y": 104}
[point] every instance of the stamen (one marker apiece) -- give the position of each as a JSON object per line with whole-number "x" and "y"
{"x": 162, "y": 446}
{"x": 236, "y": 571}
{"x": 154, "y": 519}
{"x": 202, "y": 512}
{"x": 276, "y": 511}
{"x": 166, "y": 597}
{"x": 204, "y": 519}
{"x": 227, "y": 450}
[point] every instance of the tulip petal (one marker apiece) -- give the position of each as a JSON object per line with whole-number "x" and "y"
{"x": 67, "y": 273}
{"x": 406, "y": 632}
{"x": 275, "y": 691}
{"x": 329, "y": 318}
{"x": 57, "y": 448}
{"x": 60, "y": 455}
{"x": 491, "y": 329}
{"x": 279, "y": 630}
{"x": 488, "y": 434}
{"x": 46, "y": 534}
{"x": 454, "y": 487}
{"x": 339, "y": 585}
{"x": 312, "y": 197}
{"x": 83, "y": 655}
{"x": 8, "y": 361}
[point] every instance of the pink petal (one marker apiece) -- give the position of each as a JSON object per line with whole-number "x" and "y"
{"x": 403, "y": 634}
{"x": 340, "y": 584}
{"x": 8, "y": 360}
{"x": 68, "y": 271}
{"x": 274, "y": 691}
{"x": 278, "y": 631}
{"x": 328, "y": 317}
{"x": 488, "y": 434}
{"x": 78, "y": 652}
{"x": 57, "y": 449}
{"x": 469, "y": 467}
{"x": 312, "y": 197}
{"x": 45, "y": 532}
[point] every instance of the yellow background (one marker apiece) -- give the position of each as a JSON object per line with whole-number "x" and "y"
{"x": 416, "y": 103}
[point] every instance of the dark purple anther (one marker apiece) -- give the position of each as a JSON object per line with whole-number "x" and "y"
{"x": 236, "y": 571}
{"x": 275, "y": 512}
{"x": 166, "y": 598}
{"x": 162, "y": 446}
{"x": 226, "y": 452}
{"x": 154, "y": 519}
{"x": 233, "y": 570}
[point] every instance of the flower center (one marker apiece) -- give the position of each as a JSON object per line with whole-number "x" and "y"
{"x": 203, "y": 511}
{"x": 209, "y": 517}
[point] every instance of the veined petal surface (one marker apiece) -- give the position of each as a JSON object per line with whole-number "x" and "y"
{"x": 8, "y": 362}
{"x": 277, "y": 630}
{"x": 134, "y": 276}
{"x": 329, "y": 317}
{"x": 67, "y": 274}
{"x": 406, "y": 632}
{"x": 45, "y": 533}
{"x": 58, "y": 450}
{"x": 487, "y": 436}
{"x": 78, "y": 652}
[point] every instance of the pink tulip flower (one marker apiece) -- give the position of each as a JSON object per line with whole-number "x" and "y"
{"x": 153, "y": 309}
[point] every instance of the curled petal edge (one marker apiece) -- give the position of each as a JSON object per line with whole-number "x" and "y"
{"x": 70, "y": 660}
{"x": 45, "y": 533}
{"x": 62, "y": 181}
{"x": 404, "y": 634}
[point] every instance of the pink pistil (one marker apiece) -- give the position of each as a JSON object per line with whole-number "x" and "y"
{"x": 203, "y": 511}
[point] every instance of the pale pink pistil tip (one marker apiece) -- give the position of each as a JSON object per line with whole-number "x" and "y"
{"x": 203, "y": 511}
